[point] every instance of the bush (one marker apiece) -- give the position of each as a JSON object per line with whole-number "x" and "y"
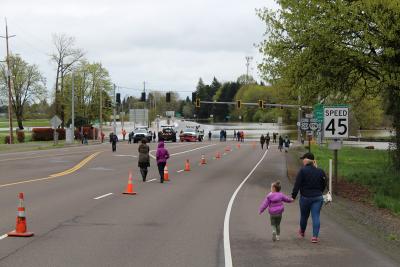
{"x": 20, "y": 136}
{"x": 46, "y": 134}
{"x": 6, "y": 139}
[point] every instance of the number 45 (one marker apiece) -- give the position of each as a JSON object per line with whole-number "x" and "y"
{"x": 331, "y": 126}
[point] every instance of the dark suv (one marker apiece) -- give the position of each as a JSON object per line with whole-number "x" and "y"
{"x": 167, "y": 134}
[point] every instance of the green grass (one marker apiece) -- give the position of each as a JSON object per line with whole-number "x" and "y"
{"x": 27, "y": 123}
{"x": 366, "y": 167}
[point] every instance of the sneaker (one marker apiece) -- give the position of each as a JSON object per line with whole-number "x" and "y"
{"x": 301, "y": 234}
{"x": 273, "y": 236}
{"x": 314, "y": 239}
{"x": 277, "y": 237}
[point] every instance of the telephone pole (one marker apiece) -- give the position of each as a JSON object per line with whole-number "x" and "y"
{"x": 9, "y": 81}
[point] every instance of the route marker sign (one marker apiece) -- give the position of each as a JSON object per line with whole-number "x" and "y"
{"x": 336, "y": 122}
{"x": 55, "y": 122}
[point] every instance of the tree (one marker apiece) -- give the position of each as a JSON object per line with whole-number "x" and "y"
{"x": 28, "y": 85}
{"x": 246, "y": 79}
{"x": 90, "y": 79}
{"x": 329, "y": 48}
{"x": 65, "y": 57}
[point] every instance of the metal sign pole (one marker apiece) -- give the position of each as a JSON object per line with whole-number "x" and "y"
{"x": 335, "y": 170}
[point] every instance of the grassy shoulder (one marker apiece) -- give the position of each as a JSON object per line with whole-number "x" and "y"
{"x": 369, "y": 168}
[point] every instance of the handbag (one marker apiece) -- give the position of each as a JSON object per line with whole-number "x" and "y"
{"x": 327, "y": 197}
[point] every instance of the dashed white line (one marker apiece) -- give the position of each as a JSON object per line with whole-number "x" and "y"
{"x": 106, "y": 195}
{"x": 152, "y": 180}
{"x": 179, "y": 171}
{"x": 227, "y": 244}
{"x": 3, "y": 236}
{"x": 183, "y": 152}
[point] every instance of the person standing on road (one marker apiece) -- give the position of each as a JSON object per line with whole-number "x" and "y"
{"x": 280, "y": 144}
{"x": 114, "y": 140}
{"x": 144, "y": 158}
{"x": 262, "y": 141}
{"x": 286, "y": 143}
{"x": 154, "y": 136}
{"x": 209, "y": 135}
{"x": 267, "y": 139}
{"x": 274, "y": 138}
{"x": 311, "y": 181}
{"x": 234, "y": 135}
{"x": 162, "y": 156}
{"x": 274, "y": 202}
{"x": 238, "y": 135}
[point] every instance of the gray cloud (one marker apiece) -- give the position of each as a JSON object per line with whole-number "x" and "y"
{"x": 170, "y": 44}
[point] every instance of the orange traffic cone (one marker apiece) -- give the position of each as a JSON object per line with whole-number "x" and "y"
{"x": 227, "y": 148}
{"x": 203, "y": 160}
{"x": 129, "y": 188}
{"x": 218, "y": 155}
{"x": 20, "y": 228}
{"x": 166, "y": 174}
{"x": 187, "y": 166}
{"x": 238, "y": 146}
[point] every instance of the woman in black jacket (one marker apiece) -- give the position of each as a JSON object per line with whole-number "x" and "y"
{"x": 144, "y": 158}
{"x": 311, "y": 182}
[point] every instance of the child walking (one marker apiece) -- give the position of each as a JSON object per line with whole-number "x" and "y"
{"x": 274, "y": 202}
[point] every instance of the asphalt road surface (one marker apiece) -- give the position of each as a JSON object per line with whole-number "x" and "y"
{"x": 80, "y": 218}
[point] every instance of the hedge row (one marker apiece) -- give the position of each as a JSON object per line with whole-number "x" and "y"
{"x": 46, "y": 134}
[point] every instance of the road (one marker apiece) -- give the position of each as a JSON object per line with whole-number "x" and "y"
{"x": 80, "y": 218}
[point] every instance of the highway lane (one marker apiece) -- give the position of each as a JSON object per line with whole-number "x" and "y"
{"x": 53, "y": 203}
{"x": 251, "y": 233}
{"x": 179, "y": 223}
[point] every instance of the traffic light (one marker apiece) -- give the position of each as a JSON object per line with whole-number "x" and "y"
{"x": 143, "y": 97}
{"x": 168, "y": 97}
{"x": 118, "y": 99}
{"x": 197, "y": 102}
{"x": 261, "y": 104}
{"x": 238, "y": 103}
{"x": 194, "y": 96}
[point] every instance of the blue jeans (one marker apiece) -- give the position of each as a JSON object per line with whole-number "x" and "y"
{"x": 313, "y": 205}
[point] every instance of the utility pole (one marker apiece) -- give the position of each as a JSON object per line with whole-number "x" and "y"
{"x": 115, "y": 104}
{"x": 299, "y": 120}
{"x": 101, "y": 114}
{"x": 73, "y": 105}
{"x": 248, "y": 59}
{"x": 9, "y": 81}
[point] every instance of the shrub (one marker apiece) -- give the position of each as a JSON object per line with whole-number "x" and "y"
{"x": 46, "y": 134}
{"x": 20, "y": 136}
{"x": 6, "y": 139}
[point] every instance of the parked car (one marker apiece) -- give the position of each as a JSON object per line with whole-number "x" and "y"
{"x": 191, "y": 135}
{"x": 167, "y": 133}
{"x": 139, "y": 134}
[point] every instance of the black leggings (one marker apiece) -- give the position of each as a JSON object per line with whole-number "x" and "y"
{"x": 161, "y": 166}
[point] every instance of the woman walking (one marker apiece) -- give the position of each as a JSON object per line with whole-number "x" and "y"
{"x": 144, "y": 158}
{"x": 262, "y": 141}
{"x": 311, "y": 181}
{"x": 162, "y": 156}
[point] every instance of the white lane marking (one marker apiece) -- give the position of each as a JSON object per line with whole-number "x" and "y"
{"x": 106, "y": 195}
{"x": 3, "y": 236}
{"x": 183, "y": 152}
{"x": 179, "y": 171}
{"x": 227, "y": 244}
{"x": 152, "y": 180}
{"x": 132, "y": 156}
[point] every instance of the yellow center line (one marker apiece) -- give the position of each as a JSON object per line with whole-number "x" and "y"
{"x": 52, "y": 176}
{"x": 44, "y": 156}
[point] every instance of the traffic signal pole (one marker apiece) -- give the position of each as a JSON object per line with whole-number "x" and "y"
{"x": 115, "y": 113}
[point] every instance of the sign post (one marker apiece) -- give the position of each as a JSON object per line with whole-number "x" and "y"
{"x": 55, "y": 122}
{"x": 336, "y": 127}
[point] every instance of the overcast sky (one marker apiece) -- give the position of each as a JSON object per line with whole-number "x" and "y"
{"x": 169, "y": 44}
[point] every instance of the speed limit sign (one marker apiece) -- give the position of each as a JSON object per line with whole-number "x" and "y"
{"x": 336, "y": 122}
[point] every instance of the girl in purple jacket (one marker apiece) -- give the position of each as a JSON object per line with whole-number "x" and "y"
{"x": 274, "y": 202}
